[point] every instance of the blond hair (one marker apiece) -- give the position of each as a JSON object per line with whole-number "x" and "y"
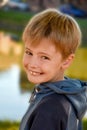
{"x": 61, "y": 29}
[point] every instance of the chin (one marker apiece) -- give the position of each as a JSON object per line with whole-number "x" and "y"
{"x": 34, "y": 81}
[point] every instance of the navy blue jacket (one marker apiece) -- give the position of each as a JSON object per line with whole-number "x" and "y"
{"x": 56, "y": 106}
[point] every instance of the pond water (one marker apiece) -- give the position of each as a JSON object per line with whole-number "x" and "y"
{"x": 13, "y": 103}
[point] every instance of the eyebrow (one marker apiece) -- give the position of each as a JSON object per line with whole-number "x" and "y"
{"x": 45, "y": 54}
{"x": 28, "y": 49}
{"x": 39, "y": 52}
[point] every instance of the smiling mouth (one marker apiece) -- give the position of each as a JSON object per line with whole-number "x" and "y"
{"x": 35, "y": 73}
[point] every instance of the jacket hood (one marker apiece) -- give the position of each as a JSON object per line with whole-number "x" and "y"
{"x": 74, "y": 90}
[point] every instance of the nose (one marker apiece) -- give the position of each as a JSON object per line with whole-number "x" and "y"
{"x": 33, "y": 63}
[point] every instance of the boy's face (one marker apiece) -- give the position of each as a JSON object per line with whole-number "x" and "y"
{"x": 43, "y": 63}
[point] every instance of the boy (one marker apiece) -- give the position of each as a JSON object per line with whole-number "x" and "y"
{"x": 57, "y": 102}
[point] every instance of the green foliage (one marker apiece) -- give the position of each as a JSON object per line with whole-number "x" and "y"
{"x": 9, "y": 125}
{"x": 83, "y": 25}
{"x": 85, "y": 124}
{"x": 78, "y": 68}
{"x": 15, "y": 16}
{"x": 14, "y": 21}
{"x": 24, "y": 83}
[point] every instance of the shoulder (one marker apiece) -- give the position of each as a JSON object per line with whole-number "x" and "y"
{"x": 55, "y": 105}
{"x": 51, "y": 113}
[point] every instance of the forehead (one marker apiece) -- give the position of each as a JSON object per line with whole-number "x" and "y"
{"x": 44, "y": 44}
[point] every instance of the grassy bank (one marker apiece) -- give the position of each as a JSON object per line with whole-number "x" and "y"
{"x": 85, "y": 124}
{"x": 15, "y": 16}
{"x": 9, "y": 125}
{"x": 14, "y": 21}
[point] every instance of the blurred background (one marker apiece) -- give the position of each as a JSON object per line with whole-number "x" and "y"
{"x": 15, "y": 89}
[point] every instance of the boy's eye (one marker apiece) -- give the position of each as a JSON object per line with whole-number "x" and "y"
{"x": 28, "y": 52}
{"x": 45, "y": 57}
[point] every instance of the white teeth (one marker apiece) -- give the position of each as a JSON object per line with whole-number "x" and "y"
{"x": 34, "y": 73}
{"x": 31, "y": 72}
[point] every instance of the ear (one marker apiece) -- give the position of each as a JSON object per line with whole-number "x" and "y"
{"x": 67, "y": 62}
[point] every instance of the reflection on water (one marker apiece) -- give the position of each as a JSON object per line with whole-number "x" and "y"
{"x": 13, "y": 104}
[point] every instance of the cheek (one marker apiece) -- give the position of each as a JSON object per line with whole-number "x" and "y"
{"x": 55, "y": 67}
{"x": 47, "y": 67}
{"x": 25, "y": 61}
